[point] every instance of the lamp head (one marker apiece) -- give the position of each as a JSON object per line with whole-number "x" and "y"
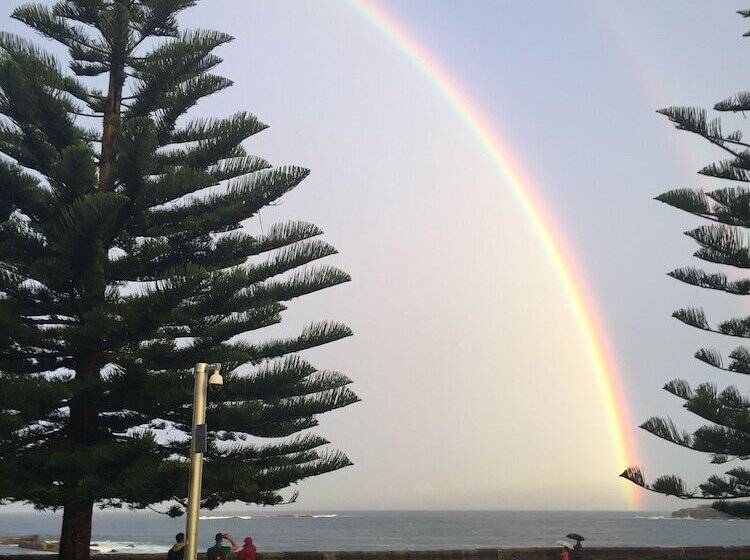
{"x": 215, "y": 377}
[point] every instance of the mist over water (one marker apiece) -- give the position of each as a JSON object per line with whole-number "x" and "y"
{"x": 395, "y": 530}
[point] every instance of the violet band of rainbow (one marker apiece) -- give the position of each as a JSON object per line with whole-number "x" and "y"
{"x": 599, "y": 348}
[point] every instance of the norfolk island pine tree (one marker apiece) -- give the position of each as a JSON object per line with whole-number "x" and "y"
{"x": 726, "y": 436}
{"x": 123, "y": 262}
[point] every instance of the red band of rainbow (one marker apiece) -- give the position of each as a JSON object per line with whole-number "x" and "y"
{"x": 571, "y": 278}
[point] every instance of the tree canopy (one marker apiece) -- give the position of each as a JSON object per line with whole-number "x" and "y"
{"x": 124, "y": 260}
{"x": 723, "y": 241}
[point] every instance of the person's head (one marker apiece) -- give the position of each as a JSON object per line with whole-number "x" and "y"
{"x": 248, "y": 541}
{"x": 179, "y": 537}
{"x": 219, "y": 538}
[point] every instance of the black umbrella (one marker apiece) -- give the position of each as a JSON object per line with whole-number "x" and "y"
{"x": 574, "y": 536}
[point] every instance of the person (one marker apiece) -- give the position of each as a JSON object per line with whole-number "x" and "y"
{"x": 565, "y": 554}
{"x": 577, "y": 551}
{"x": 219, "y": 551}
{"x": 177, "y": 552}
{"x": 247, "y": 552}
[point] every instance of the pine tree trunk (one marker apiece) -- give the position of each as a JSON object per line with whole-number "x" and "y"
{"x": 76, "y": 531}
{"x": 113, "y": 104}
{"x": 110, "y": 129}
{"x": 75, "y": 537}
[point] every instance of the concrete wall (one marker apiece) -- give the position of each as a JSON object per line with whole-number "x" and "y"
{"x": 693, "y": 553}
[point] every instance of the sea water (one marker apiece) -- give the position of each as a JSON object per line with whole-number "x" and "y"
{"x": 125, "y": 531}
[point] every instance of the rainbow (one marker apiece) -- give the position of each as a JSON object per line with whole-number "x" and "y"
{"x": 570, "y": 274}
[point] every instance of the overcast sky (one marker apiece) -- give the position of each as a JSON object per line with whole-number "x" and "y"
{"x": 477, "y": 389}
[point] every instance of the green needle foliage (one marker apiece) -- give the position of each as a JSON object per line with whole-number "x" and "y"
{"x": 725, "y": 241}
{"x": 123, "y": 262}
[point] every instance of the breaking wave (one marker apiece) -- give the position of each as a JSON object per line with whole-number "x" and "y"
{"x": 277, "y": 516}
{"x": 214, "y": 517}
{"x": 667, "y": 517}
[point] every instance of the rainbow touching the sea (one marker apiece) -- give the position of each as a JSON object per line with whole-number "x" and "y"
{"x": 572, "y": 280}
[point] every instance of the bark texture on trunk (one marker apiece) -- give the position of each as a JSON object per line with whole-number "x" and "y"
{"x": 110, "y": 129}
{"x": 75, "y": 538}
{"x": 76, "y": 531}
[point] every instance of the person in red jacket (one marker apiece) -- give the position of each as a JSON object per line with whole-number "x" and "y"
{"x": 247, "y": 552}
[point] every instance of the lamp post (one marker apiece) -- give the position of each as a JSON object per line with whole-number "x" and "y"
{"x": 197, "y": 449}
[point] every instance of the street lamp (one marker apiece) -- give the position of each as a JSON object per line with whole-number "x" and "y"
{"x": 198, "y": 447}
{"x": 216, "y": 378}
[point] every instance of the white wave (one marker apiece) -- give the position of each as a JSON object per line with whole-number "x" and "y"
{"x": 97, "y": 547}
{"x": 664, "y": 517}
{"x": 215, "y": 517}
{"x": 110, "y": 547}
{"x": 301, "y": 515}
{"x": 276, "y": 516}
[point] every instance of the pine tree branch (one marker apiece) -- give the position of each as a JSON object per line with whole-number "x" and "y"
{"x": 694, "y": 120}
{"x": 671, "y": 485}
{"x": 714, "y": 281}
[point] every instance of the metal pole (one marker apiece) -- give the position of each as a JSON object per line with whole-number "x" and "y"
{"x": 197, "y": 448}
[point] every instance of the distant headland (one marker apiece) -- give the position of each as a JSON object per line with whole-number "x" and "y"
{"x": 701, "y": 512}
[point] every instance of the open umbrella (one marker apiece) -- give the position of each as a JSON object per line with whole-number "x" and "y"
{"x": 574, "y": 536}
{"x": 566, "y": 544}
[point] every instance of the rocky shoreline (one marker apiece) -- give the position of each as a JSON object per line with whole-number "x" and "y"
{"x": 31, "y": 542}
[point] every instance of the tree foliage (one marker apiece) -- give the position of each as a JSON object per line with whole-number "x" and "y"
{"x": 124, "y": 261}
{"x": 723, "y": 241}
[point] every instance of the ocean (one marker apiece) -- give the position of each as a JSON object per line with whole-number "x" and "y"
{"x": 392, "y": 530}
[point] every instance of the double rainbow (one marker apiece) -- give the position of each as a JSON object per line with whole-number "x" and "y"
{"x": 570, "y": 275}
